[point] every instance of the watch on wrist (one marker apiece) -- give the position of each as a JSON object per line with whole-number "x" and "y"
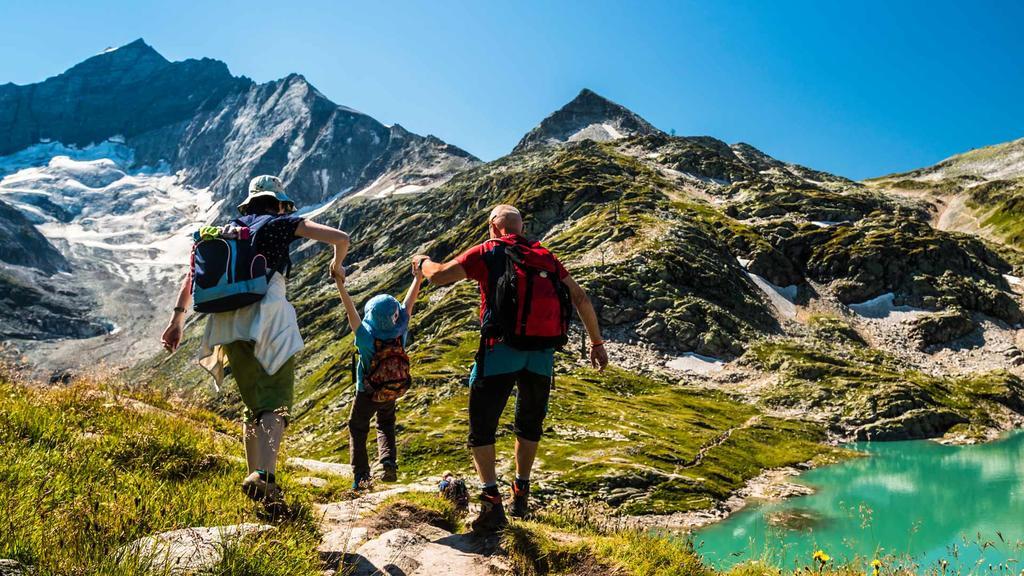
{"x": 179, "y": 310}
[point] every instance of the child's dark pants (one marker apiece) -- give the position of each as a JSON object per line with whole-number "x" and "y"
{"x": 363, "y": 409}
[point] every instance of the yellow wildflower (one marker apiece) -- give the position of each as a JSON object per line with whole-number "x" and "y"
{"x": 821, "y": 557}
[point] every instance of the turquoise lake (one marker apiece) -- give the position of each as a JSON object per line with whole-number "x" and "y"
{"x": 917, "y": 501}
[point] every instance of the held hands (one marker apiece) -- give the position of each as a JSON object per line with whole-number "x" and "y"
{"x": 598, "y": 356}
{"x": 338, "y": 273}
{"x": 417, "y": 265}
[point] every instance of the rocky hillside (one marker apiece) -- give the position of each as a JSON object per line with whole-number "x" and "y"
{"x": 33, "y": 303}
{"x": 117, "y": 159}
{"x": 979, "y": 192}
{"x": 22, "y": 245}
{"x": 756, "y": 311}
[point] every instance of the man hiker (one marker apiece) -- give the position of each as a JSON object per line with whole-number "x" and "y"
{"x": 526, "y": 299}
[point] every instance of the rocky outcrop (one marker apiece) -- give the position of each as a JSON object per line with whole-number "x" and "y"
{"x": 427, "y": 551}
{"x": 189, "y": 550}
{"x": 13, "y": 568}
{"x": 21, "y": 244}
{"x": 353, "y": 543}
{"x": 587, "y": 117}
{"x": 941, "y": 328}
{"x": 34, "y": 307}
{"x": 930, "y": 268}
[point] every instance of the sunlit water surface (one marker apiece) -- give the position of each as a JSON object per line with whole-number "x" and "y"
{"x": 917, "y": 501}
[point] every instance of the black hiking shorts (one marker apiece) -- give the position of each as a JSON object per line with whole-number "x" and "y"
{"x": 488, "y": 396}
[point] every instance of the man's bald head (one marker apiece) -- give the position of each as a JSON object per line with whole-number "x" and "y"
{"x": 505, "y": 219}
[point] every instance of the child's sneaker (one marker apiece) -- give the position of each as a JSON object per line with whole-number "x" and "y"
{"x": 520, "y": 498}
{"x": 362, "y": 481}
{"x": 389, "y": 472}
{"x": 492, "y": 515}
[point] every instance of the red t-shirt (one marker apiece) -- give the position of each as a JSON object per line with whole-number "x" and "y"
{"x": 485, "y": 263}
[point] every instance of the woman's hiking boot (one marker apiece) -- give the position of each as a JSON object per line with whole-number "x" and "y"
{"x": 492, "y": 514}
{"x": 389, "y": 472}
{"x": 261, "y": 487}
{"x": 520, "y": 498}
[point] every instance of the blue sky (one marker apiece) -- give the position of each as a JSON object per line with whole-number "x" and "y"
{"x": 859, "y": 89}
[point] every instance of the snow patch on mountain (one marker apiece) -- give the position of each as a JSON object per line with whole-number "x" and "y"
{"x": 781, "y": 298}
{"x": 135, "y": 224}
{"x": 40, "y": 154}
{"x": 884, "y": 307}
{"x": 125, "y": 229}
{"x": 695, "y": 363}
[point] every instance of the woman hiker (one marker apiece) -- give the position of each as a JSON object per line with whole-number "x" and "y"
{"x": 259, "y": 341}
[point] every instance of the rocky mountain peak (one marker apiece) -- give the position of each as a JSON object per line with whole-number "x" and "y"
{"x": 137, "y": 57}
{"x": 588, "y": 116}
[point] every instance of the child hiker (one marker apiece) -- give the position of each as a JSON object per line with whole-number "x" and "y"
{"x": 382, "y": 376}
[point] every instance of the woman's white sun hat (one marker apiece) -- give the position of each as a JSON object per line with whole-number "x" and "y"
{"x": 267, "y": 185}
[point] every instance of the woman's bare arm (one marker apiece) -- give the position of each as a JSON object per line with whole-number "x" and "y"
{"x": 171, "y": 337}
{"x": 327, "y": 235}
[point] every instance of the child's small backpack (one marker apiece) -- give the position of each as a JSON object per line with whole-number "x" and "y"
{"x": 454, "y": 490}
{"x": 389, "y": 377}
{"x": 227, "y": 271}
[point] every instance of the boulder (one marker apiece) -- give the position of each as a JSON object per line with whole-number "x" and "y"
{"x": 188, "y": 550}
{"x": 426, "y": 551}
{"x": 320, "y": 467}
{"x": 13, "y": 568}
{"x": 941, "y": 328}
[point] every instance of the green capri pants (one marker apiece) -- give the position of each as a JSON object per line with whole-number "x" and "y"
{"x": 261, "y": 392}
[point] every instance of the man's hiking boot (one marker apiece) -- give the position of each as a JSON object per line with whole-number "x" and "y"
{"x": 257, "y": 488}
{"x": 389, "y": 472}
{"x": 362, "y": 481}
{"x": 520, "y": 498}
{"x": 492, "y": 515}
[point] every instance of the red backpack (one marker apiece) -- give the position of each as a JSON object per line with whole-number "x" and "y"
{"x": 531, "y": 307}
{"x": 388, "y": 378}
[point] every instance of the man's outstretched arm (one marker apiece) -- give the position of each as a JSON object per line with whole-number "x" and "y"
{"x": 439, "y": 274}
{"x": 598, "y": 354}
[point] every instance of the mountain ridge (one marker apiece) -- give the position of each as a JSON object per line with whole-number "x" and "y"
{"x": 182, "y": 139}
